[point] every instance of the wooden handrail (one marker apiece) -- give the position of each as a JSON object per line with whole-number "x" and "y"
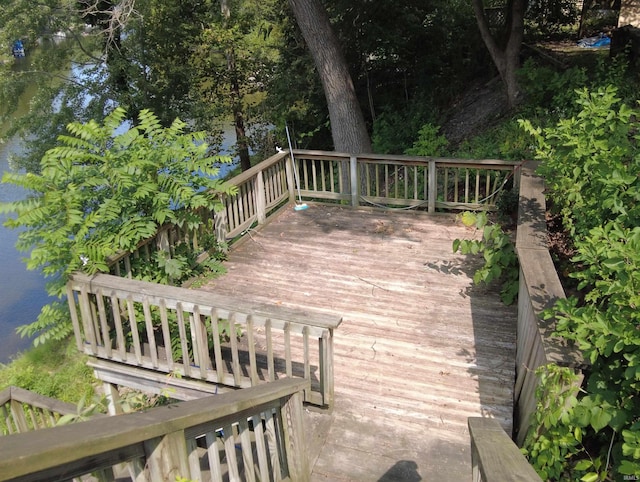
{"x": 162, "y": 443}
{"x": 431, "y": 183}
{"x": 23, "y": 411}
{"x": 275, "y": 341}
{"x": 494, "y": 456}
{"x": 539, "y": 289}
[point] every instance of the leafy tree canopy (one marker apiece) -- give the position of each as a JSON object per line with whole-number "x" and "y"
{"x": 105, "y": 188}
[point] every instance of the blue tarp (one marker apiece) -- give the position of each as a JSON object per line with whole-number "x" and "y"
{"x": 595, "y": 42}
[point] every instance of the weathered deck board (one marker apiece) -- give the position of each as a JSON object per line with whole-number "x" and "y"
{"x": 420, "y": 348}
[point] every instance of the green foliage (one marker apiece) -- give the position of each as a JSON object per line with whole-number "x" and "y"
{"x": 505, "y": 141}
{"x": 429, "y": 143}
{"x": 549, "y": 92}
{"x": 547, "y": 444}
{"x": 546, "y": 17}
{"x": 101, "y": 191}
{"x": 55, "y": 370}
{"x": 590, "y": 163}
{"x": 496, "y": 247}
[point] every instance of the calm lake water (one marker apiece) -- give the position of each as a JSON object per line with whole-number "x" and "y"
{"x": 22, "y": 292}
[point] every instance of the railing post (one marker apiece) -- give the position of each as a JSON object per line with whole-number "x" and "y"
{"x": 261, "y": 198}
{"x": 433, "y": 186}
{"x": 353, "y": 174}
{"x": 326, "y": 367}
{"x": 167, "y": 457}
{"x": 113, "y": 397}
{"x": 294, "y": 440}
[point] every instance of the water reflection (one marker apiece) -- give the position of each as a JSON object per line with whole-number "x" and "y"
{"x": 22, "y": 292}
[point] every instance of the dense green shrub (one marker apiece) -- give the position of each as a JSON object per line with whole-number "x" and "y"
{"x": 57, "y": 370}
{"x": 590, "y": 163}
{"x": 429, "y": 143}
{"x": 104, "y": 189}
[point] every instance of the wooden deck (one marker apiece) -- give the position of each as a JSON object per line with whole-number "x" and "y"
{"x": 420, "y": 348}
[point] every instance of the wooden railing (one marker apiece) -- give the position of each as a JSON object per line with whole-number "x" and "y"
{"x": 401, "y": 181}
{"x": 199, "y": 335}
{"x": 23, "y": 411}
{"x": 494, "y": 456}
{"x": 253, "y": 434}
{"x": 428, "y": 183}
{"x": 540, "y": 288}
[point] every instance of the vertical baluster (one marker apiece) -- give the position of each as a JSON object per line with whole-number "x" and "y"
{"x": 446, "y": 185}
{"x": 133, "y": 325}
{"x": 287, "y": 348}
{"x": 253, "y": 368}
{"x": 477, "y": 197}
{"x": 396, "y": 179}
{"x": 314, "y": 174}
{"x": 73, "y": 311}
{"x": 184, "y": 345}
{"x": 466, "y": 185}
{"x": 194, "y": 459}
{"x": 405, "y": 173}
{"x": 305, "y": 173}
{"x": 332, "y": 186}
{"x": 456, "y": 180}
{"x": 166, "y": 333}
{"x": 270, "y": 362}
{"x": 85, "y": 310}
{"x": 247, "y": 455}
{"x": 235, "y": 359}
{"x": 151, "y": 338}
{"x": 214, "y": 456}
{"x": 102, "y": 313}
{"x": 306, "y": 355}
{"x": 117, "y": 321}
{"x": 323, "y": 175}
{"x": 95, "y": 320}
{"x": 261, "y": 448}
{"x": 367, "y": 176}
{"x": 230, "y": 452}
{"x": 274, "y": 444}
{"x": 217, "y": 351}
{"x": 202, "y": 346}
{"x": 487, "y": 183}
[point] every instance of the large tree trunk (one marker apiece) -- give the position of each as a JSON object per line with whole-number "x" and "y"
{"x": 236, "y": 98}
{"x": 348, "y": 128}
{"x": 505, "y": 56}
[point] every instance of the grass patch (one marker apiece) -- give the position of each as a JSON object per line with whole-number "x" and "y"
{"x": 55, "y": 369}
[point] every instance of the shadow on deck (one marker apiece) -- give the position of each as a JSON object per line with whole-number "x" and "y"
{"x": 420, "y": 348}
